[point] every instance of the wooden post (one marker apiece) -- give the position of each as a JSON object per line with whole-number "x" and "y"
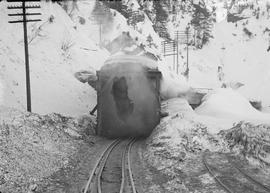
{"x": 177, "y": 52}
{"x": 187, "y": 74}
{"x": 164, "y": 48}
{"x": 26, "y": 54}
{"x": 173, "y": 55}
{"x": 100, "y": 34}
{"x": 24, "y": 20}
{"x": 177, "y": 56}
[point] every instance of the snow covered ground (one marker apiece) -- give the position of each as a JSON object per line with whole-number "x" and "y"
{"x": 228, "y": 103}
{"x": 67, "y": 41}
{"x": 243, "y": 58}
{"x": 176, "y": 146}
{"x": 57, "y": 51}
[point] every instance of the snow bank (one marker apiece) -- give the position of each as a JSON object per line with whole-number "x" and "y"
{"x": 179, "y": 139}
{"x": 227, "y": 103}
{"x": 34, "y": 147}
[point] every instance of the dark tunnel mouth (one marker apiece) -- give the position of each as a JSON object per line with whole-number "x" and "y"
{"x": 122, "y": 111}
{"x": 124, "y": 105}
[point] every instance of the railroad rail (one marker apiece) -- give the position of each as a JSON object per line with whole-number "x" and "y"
{"x": 127, "y": 171}
{"x": 236, "y": 166}
{"x": 104, "y": 166}
{"x": 226, "y": 188}
{"x": 237, "y": 170}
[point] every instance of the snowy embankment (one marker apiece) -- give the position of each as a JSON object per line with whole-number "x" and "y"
{"x": 176, "y": 145}
{"x": 225, "y": 121}
{"x": 240, "y": 49}
{"x": 230, "y": 104}
{"x": 182, "y": 134}
{"x": 34, "y": 147}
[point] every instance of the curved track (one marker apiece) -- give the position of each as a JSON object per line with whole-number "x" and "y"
{"x": 230, "y": 177}
{"x": 235, "y": 165}
{"x": 226, "y": 188}
{"x": 112, "y": 171}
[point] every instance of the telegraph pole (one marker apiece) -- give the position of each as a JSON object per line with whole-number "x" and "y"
{"x": 177, "y": 56}
{"x": 24, "y": 20}
{"x": 100, "y": 31}
{"x": 187, "y": 70}
{"x": 182, "y": 37}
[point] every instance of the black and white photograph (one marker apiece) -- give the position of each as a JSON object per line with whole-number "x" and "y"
{"x": 134, "y": 96}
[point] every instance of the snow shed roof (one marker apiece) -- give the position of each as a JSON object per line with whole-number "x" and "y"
{"x": 144, "y": 61}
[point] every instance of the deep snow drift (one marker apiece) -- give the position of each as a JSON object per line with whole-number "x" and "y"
{"x": 228, "y": 103}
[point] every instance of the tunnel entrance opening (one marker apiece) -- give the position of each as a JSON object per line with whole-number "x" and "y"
{"x": 128, "y": 97}
{"x": 123, "y": 103}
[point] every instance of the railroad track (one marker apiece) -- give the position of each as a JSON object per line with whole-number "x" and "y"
{"x": 236, "y": 166}
{"x": 230, "y": 176}
{"x": 112, "y": 171}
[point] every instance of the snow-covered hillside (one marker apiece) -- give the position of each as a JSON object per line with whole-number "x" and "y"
{"x": 67, "y": 40}
{"x": 57, "y": 51}
{"x": 68, "y": 37}
{"x": 239, "y": 48}
{"x": 243, "y": 56}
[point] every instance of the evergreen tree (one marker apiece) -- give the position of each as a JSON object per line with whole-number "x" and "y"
{"x": 118, "y": 6}
{"x": 202, "y": 22}
{"x": 161, "y": 17}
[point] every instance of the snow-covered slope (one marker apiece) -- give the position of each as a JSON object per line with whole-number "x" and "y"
{"x": 244, "y": 58}
{"x": 57, "y": 51}
{"x": 239, "y": 48}
{"x": 227, "y": 103}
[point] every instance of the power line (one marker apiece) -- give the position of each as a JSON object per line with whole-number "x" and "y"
{"x": 171, "y": 48}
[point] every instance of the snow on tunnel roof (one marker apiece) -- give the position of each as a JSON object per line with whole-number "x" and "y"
{"x": 147, "y": 62}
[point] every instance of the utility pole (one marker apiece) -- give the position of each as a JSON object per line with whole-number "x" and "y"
{"x": 100, "y": 31}
{"x": 170, "y": 48}
{"x": 173, "y": 56}
{"x": 182, "y": 37}
{"x": 24, "y": 20}
{"x": 97, "y": 19}
{"x": 187, "y": 70}
{"x": 177, "y": 56}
